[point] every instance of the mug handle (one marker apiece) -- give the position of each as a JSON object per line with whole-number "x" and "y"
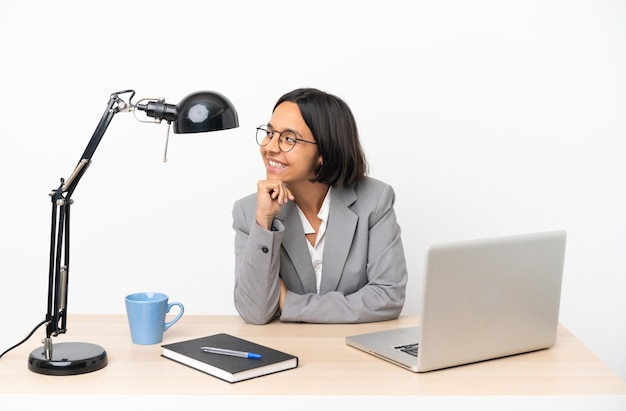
{"x": 180, "y": 314}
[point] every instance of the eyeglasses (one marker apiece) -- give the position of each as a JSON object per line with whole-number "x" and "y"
{"x": 287, "y": 139}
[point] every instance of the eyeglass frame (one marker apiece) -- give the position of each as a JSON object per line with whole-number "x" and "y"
{"x": 266, "y": 128}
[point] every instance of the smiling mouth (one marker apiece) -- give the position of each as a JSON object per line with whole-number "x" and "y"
{"x": 275, "y": 164}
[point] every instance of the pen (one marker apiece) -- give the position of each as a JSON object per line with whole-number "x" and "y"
{"x": 233, "y": 353}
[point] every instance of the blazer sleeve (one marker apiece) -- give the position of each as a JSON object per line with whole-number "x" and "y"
{"x": 257, "y": 265}
{"x": 378, "y": 293}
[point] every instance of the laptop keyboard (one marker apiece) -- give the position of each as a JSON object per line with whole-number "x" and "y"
{"x": 410, "y": 349}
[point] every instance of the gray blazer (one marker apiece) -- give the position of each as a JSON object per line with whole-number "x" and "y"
{"x": 364, "y": 271}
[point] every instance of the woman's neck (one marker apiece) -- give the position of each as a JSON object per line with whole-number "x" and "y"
{"x": 310, "y": 197}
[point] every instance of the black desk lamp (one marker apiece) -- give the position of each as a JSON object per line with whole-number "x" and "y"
{"x": 198, "y": 112}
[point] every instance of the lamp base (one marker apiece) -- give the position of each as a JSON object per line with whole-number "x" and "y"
{"x": 68, "y": 359}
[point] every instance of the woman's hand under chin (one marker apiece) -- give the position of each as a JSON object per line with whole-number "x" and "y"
{"x": 271, "y": 195}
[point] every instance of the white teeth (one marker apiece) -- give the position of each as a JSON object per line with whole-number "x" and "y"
{"x": 276, "y": 164}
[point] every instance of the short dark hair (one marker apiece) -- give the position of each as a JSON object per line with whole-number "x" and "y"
{"x": 334, "y": 128}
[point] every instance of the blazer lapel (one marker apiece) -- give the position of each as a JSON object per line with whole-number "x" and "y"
{"x": 294, "y": 244}
{"x": 339, "y": 234}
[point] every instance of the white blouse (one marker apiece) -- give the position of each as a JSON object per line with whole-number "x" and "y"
{"x": 317, "y": 251}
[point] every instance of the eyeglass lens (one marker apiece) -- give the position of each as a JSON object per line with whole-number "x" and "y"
{"x": 286, "y": 139}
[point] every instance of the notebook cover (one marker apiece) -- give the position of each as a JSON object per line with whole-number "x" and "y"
{"x": 229, "y": 368}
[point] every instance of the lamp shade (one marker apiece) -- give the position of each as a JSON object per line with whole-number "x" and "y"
{"x": 205, "y": 111}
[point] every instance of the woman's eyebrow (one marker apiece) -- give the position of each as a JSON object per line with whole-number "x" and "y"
{"x": 288, "y": 129}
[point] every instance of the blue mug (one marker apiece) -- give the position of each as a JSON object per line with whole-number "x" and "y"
{"x": 146, "y": 316}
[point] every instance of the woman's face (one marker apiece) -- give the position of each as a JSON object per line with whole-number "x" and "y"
{"x": 299, "y": 164}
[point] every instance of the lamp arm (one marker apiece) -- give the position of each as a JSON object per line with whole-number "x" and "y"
{"x": 114, "y": 106}
{"x": 58, "y": 275}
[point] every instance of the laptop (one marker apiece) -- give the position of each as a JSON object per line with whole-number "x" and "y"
{"x": 481, "y": 299}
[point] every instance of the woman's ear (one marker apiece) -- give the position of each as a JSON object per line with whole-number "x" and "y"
{"x": 320, "y": 163}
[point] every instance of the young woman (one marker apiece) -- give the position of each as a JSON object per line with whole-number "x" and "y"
{"x": 319, "y": 241}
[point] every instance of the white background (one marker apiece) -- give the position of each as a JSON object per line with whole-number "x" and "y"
{"x": 487, "y": 117}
